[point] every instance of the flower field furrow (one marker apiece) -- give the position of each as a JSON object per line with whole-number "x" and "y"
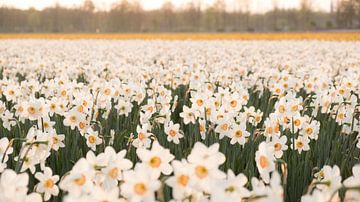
{"x": 326, "y": 36}
{"x": 170, "y": 120}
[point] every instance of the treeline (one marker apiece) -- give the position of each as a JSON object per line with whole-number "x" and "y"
{"x": 126, "y": 16}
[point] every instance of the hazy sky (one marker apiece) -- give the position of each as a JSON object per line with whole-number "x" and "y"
{"x": 255, "y": 5}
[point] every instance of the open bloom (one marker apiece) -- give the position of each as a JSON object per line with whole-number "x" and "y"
{"x": 47, "y": 183}
{"x": 157, "y": 160}
{"x": 189, "y": 115}
{"x": 230, "y": 189}
{"x": 173, "y": 132}
{"x": 180, "y": 182}
{"x": 310, "y": 129}
{"x": 139, "y": 184}
{"x": 279, "y": 144}
{"x": 92, "y": 139}
{"x": 115, "y": 165}
{"x": 301, "y": 144}
{"x": 143, "y": 137}
{"x": 204, "y": 163}
{"x": 238, "y": 134}
{"x": 35, "y": 109}
{"x": 79, "y": 179}
{"x": 56, "y": 141}
{"x": 124, "y": 107}
{"x": 73, "y": 118}
{"x": 264, "y": 158}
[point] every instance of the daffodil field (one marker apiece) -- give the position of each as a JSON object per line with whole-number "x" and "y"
{"x": 179, "y": 120}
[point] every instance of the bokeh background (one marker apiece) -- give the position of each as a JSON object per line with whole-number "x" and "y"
{"x": 153, "y": 16}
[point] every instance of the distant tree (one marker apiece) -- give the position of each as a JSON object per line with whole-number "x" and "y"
{"x": 168, "y": 16}
{"x": 275, "y": 14}
{"x": 220, "y": 6}
{"x": 245, "y": 8}
{"x": 88, "y": 6}
{"x": 346, "y": 12}
{"x": 305, "y": 14}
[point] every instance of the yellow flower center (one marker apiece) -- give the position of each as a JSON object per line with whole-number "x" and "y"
{"x": 264, "y": 162}
{"x": 294, "y": 108}
{"x": 141, "y": 136}
{"x": 73, "y": 119}
{"x": 238, "y": 133}
{"x": 281, "y": 108}
{"x": 113, "y": 173}
{"x": 55, "y": 140}
{"x": 269, "y": 130}
{"x": 140, "y": 188}
{"x": 107, "y": 91}
{"x": 297, "y": 122}
{"x": 80, "y": 181}
{"x": 208, "y": 111}
{"x": 199, "y": 102}
{"x": 299, "y": 144}
{"x": 220, "y": 116}
{"x": 286, "y": 120}
{"x": 81, "y": 125}
{"x": 31, "y": 110}
{"x": 20, "y": 109}
{"x": 92, "y": 139}
{"x": 278, "y": 91}
{"x": 230, "y": 189}
{"x": 80, "y": 108}
{"x": 233, "y": 103}
{"x": 183, "y": 180}
{"x": 155, "y": 162}
{"x": 201, "y": 128}
{"x": 46, "y": 125}
{"x": 277, "y": 128}
{"x": 201, "y": 171}
{"x": 150, "y": 109}
{"x": 277, "y": 147}
{"x": 309, "y": 131}
{"x": 341, "y": 116}
{"x": 52, "y": 106}
{"x": 224, "y": 126}
{"x": 49, "y": 183}
{"x": 172, "y": 133}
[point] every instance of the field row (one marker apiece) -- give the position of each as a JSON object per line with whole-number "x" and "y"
{"x": 329, "y": 36}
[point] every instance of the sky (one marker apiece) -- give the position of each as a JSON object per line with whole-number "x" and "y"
{"x": 256, "y": 6}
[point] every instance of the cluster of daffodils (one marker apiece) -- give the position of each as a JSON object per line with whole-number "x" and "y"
{"x": 327, "y": 184}
{"x": 179, "y": 120}
{"x": 109, "y": 176}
